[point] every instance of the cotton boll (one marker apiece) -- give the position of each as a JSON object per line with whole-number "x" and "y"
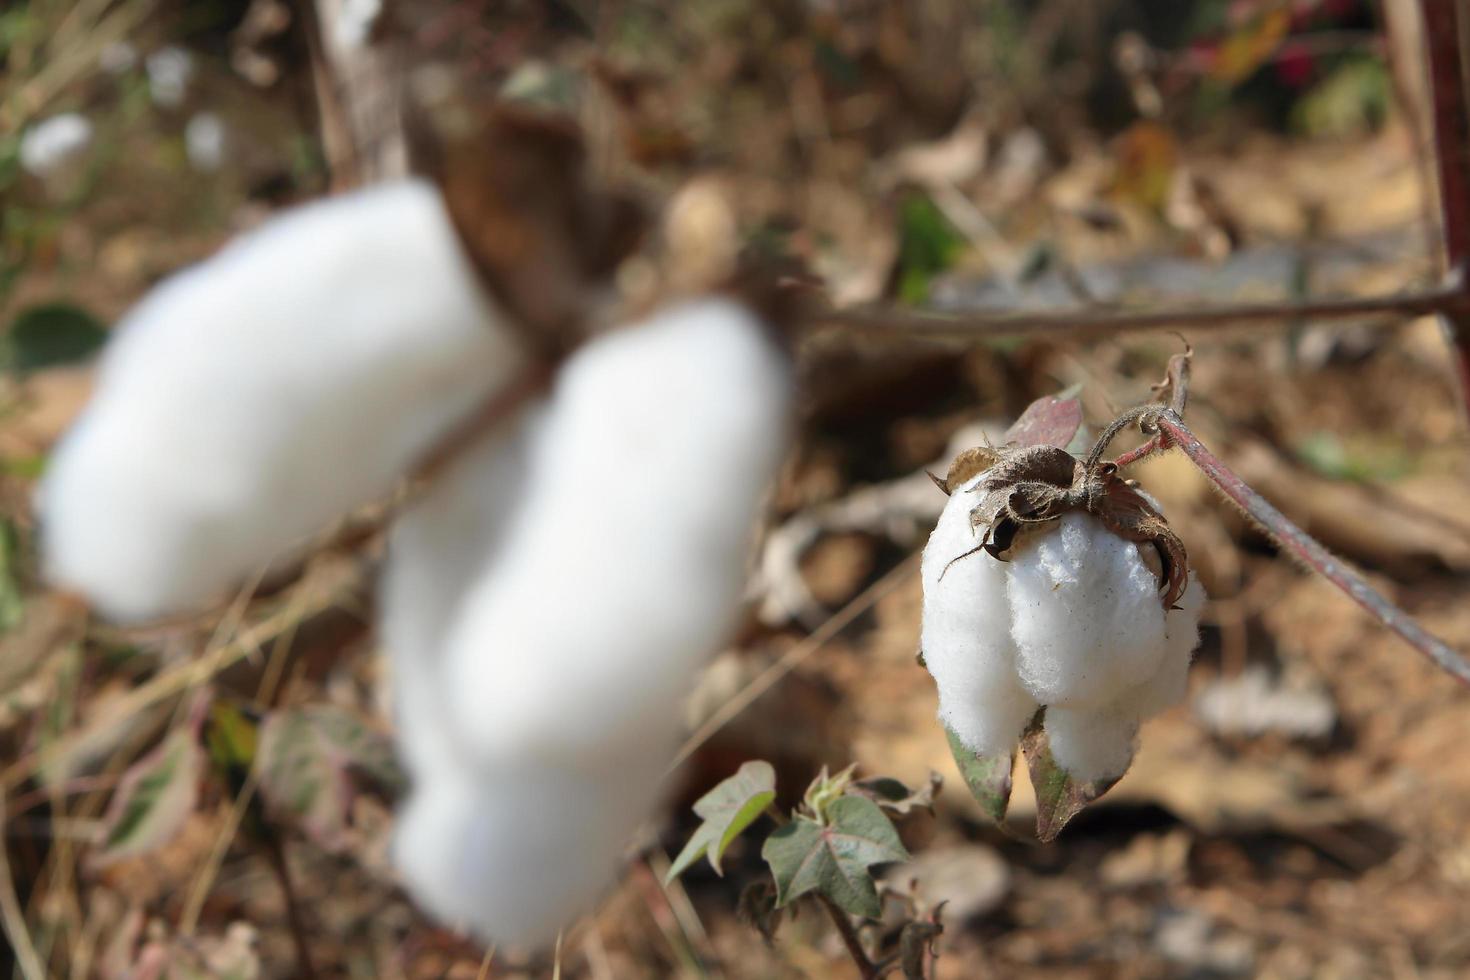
{"x": 169, "y": 70}
{"x": 1085, "y": 613}
{"x": 250, "y": 400}
{"x": 624, "y": 569}
{"x": 1070, "y": 621}
{"x": 205, "y": 142}
{"x": 52, "y": 143}
{"x": 966, "y": 635}
{"x": 512, "y": 858}
{"x": 620, "y": 573}
{"x": 435, "y": 550}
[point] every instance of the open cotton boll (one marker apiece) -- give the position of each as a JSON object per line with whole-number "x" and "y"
{"x": 1071, "y": 621}
{"x": 436, "y": 548}
{"x": 966, "y": 636}
{"x": 248, "y": 401}
{"x": 624, "y": 569}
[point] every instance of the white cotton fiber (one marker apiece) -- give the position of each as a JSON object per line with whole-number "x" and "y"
{"x": 966, "y": 635}
{"x": 623, "y": 572}
{"x": 435, "y": 550}
{"x": 1074, "y": 591}
{"x": 1072, "y": 621}
{"x": 514, "y": 856}
{"x": 619, "y": 576}
{"x": 250, "y": 400}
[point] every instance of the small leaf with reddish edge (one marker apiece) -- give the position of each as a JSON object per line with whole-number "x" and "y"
{"x": 1048, "y": 421}
{"x": 727, "y": 810}
{"x": 987, "y": 776}
{"x": 1059, "y": 797}
{"x": 833, "y": 858}
{"x": 154, "y": 798}
{"x": 310, "y": 760}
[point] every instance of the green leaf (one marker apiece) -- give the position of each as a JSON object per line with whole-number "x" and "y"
{"x": 310, "y": 760}
{"x": 231, "y": 739}
{"x": 1059, "y": 797}
{"x": 825, "y": 789}
{"x": 727, "y": 810}
{"x": 834, "y": 859}
{"x": 896, "y": 797}
{"x": 987, "y": 776}
{"x": 49, "y": 335}
{"x": 154, "y": 798}
{"x": 928, "y": 245}
{"x": 12, "y": 601}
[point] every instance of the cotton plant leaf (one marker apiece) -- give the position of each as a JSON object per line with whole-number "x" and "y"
{"x": 310, "y": 761}
{"x": 727, "y": 810}
{"x": 895, "y": 796}
{"x": 1059, "y": 797}
{"x": 12, "y": 600}
{"x": 987, "y": 776}
{"x": 231, "y": 739}
{"x": 154, "y": 798}
{"x": 833, "y": 858}
{"x": 50, "y": 335}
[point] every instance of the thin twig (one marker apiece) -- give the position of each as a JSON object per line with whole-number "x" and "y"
{"x": 300, "y": 936}
{"x": 1174, "y": 433}
{"x": 312, "y": 598}
{"x": 27, "y": 961}
{"x": 485, "y": 963}
{"x": 793, "y": 657}
{"x": 1448, "y": 297}
{"x": 866, "y": 968}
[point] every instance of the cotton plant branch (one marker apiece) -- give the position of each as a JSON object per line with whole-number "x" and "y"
{"x": 1449, "y": 298}
{"x": 1171, "y": 433}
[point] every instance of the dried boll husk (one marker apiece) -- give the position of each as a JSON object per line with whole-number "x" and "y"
{"x": 248, "y": 401}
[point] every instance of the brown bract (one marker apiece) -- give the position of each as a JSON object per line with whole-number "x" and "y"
{"x": 1032, "y": 485}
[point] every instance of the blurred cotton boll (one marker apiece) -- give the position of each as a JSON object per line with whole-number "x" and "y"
{"x": 250, "y": 400}
{"x": 205, "y": 142}
{"x": 1072, "y": 622}
{"x": 514, "y": 857}
{"x": 52, "y": 143}
{"x": 618, "y": 576}
{"x": 169, "y": 70}
{"x": 435, "y": 551}
{"x": 659, "y": 442}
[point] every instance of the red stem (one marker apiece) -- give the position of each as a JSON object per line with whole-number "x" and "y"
{"x": 1452, "y": 158}
{"x": 1173, "y": 432}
